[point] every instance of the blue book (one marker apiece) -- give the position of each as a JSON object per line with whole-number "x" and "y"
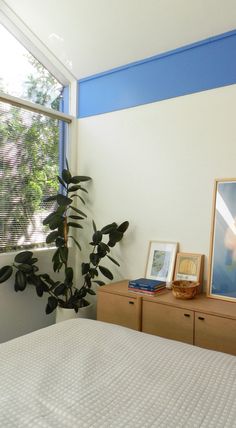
{"x": 145, "y": 283}
{"x": 150, "y": 290}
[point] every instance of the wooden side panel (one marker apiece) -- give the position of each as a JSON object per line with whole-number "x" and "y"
{"x": 215, "y": 332}
{"x": 167, "y": 321}
{"x": 120, "y": 310}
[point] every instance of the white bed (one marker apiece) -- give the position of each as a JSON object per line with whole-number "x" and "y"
{"x": 85, "y": 373}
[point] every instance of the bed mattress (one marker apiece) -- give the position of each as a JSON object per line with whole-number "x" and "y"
{"x": 85, "y": 373}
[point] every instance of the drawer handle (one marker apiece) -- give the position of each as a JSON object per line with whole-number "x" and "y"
{"x": 131, "y": 303}
{"x": 201, "y": 318}
{"x": 187, "y": 315}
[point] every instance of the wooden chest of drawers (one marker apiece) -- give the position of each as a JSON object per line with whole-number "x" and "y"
{"x": 202, "y": 321}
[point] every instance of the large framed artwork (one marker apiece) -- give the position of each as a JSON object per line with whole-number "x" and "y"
{"x": 222, "y": 258}
{"x": 161, "y": 260}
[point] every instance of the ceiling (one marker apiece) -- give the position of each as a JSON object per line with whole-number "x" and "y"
{"x": 92, "y": 36}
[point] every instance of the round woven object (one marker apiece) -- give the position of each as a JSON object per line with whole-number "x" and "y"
{"x": 184, "y": 289}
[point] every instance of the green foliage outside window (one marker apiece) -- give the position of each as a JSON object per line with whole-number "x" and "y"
{"x": 29, "y": 151}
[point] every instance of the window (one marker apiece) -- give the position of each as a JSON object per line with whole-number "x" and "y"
{"x": 21, "y": 75}
{"x": 30, "y": 143}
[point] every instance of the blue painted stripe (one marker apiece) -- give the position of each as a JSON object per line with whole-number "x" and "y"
{"x": 204, "y": 65}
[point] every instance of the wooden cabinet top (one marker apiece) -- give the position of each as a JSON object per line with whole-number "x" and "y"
{"x": 200, "y": 303}
{"x": 120, "y": 287}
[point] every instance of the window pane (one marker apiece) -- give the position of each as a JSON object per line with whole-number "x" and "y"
{"x": 29, "y": 152}
{"x": 21, "y": 75}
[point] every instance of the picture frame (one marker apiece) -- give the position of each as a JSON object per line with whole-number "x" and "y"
{"x": 161, "y": 260}
{"x": 221, "y": 282}
{"x": 189, "y": 267}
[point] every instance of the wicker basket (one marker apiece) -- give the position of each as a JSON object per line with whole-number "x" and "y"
{"x": 185, "y": 289}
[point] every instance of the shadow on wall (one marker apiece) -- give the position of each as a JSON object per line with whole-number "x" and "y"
{"x": 21, "y": 313}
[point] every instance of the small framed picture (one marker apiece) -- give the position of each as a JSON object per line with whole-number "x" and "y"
{"x": 161, "y": 260}
{"x": 189, "y": 267}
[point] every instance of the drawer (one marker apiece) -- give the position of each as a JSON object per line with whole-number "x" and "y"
{"x": 167, "y": 321}
{"x": 215, "y": 332}
{"x": 117, "y": 309}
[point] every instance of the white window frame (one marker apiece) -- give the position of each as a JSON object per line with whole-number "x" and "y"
{"x": 31, "y": 42}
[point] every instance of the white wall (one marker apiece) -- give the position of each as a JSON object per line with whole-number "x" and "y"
{"x": 155, "y": 166}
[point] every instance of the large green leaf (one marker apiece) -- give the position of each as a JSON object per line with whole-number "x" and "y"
{"x": 113, "y": 260}
{"x": 60, "y": 289}
{"x": 78, "y": 211}
{"x": 20, "y": 281}
{"x": 61, "y": 209}
{"x": 63, "y": 254}
{"x": 60, "y": 242}
{"x": 93, "y": 272}
{"x": 74, "y": 188}
{"x": 82, "y": 200}
{"x": 85, "y": 268}
{"x": 32, "y": 261}
{"x": 97, "y": 237}
{"x": 99, "y": 282}
{"x": 63, "y": 200}
{"x": 56, "y": 222}
{"x": 50, "y": 217}
{"x": 79, "y": 178}
{"x": 51, "y": 305}
{"x": 101, "y": 251}
{"x": 94, "y": 258}
{"x": 106, "y": 272}
{"x": 60, "y": 228}
{"x": 24, "y": 267}
{"x": 23, "y": 257}
{"x": 72, "y": 224}
{"x": 51, "y": 237}
{"x": 76, "y": 217}
{"x": 5, "y": 273}
{"x": 69, "y": 274}
{"x": 57, "y": 265}
{"x": 103, "y": 248}
{"x": 109, "y": 228}
{"x": 55, "y": 255}
{"x": 66, "y": 175}
{"x": 91, "y": 291}
{"x": 61, "y": 181}
{"x": 39, "y": 289}
{"x": 123, "y": 227}
{"x": 115, "y": 236}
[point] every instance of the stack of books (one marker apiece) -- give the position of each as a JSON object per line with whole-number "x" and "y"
{"x": 146, "y": 286}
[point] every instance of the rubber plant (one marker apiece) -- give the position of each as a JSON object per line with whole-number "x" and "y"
{"x": 66, "y": 217}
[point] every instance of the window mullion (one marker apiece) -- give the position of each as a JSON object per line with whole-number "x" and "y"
{"x": 28, "y": 105}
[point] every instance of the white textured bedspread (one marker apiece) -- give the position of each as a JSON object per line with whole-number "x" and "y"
{"x": 85, "y": 373}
